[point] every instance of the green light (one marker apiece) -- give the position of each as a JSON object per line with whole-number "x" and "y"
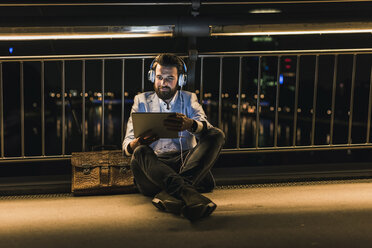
{"x": 262, "y": 39}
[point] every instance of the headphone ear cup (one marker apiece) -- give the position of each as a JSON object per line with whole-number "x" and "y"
{"x": 151, "y": 76}
{"x": 182, "y": 80}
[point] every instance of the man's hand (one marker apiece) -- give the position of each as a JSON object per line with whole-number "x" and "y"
{"x": 178, "y": 122}
{"x": 144, "y": 139}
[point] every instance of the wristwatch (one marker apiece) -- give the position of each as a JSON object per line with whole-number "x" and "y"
{"x": 194, "y": 126}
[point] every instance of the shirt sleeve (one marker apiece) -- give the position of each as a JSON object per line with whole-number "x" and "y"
{"x": 127, "y": 153}
{"x": 129, "y": 135}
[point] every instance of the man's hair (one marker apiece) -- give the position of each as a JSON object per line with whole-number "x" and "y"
{"x": 170, "y": 60}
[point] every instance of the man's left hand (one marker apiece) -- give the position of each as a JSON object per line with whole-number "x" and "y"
{"x": 178, "y": 122}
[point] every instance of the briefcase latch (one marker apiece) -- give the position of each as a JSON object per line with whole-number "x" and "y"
{"x": 86, "y": 169}
{"x": 123, "y": 170}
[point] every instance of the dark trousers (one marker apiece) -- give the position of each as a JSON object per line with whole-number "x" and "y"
{"x": 154, "y": 173}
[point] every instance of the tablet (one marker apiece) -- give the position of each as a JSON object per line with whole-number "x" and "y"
{"x": 154, "y": 121}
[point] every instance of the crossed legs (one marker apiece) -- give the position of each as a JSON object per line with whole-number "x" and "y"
{"x": 154, "y": 174}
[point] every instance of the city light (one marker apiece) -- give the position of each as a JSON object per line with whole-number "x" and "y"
{"x": 262, "y": 39}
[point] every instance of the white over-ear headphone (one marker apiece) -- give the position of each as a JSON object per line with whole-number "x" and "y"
{"x": 182, "y": 78}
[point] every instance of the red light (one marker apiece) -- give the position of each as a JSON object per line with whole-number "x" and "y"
{"x": 287, "y": 66}
{"x": 288, "y": 60}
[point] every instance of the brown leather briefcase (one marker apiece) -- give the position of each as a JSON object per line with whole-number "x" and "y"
{"x": 101, "y": 172}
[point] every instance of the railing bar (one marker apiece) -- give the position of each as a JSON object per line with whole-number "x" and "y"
{"x": 63, "y": 109}
{"x": 182, "y": 3}
{"x": 170, "y": 3}
{"x": 8, "y": 160}
{"x": 333, "y": 100}
{"x": 369, "y": 108}
{"x": 42, "y": 108}
{"x": 315, "y": 98}
{"x": 22, "y": 110}
{"x": 284, "y": 52}
{"x": 201, "y": 55}
{"x": 72, "y": 58}
{"x": 258, "y": 101}
{"x": 122, "y": 98}
{"x": 277, "y": 103}
{"x": 83, "y": 82}
{"x": 103, "y": 104}
{"x": 1, "y": 112}
{"x": 352, "y": 99}
{"x": 223, "y": 151}
{"x": 220, "y": 96}
{"x": 239, "y": 103}
{"x": 143, "y": 76}
{"x": 201, "y": 80}
{"x": 296, "y": 149}
{"x": 295, "y": 113}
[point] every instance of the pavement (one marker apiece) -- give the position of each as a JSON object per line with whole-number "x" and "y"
{"x": 309, "y": 214}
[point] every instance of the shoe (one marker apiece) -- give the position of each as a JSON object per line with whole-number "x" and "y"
{"x": 207, "y": 184}
{"x": 165, "y": 202}
{"x": 196, "y": 206}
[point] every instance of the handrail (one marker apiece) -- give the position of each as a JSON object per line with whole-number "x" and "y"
{"x": 177, "y": 3}
{"x": 200, "y": 55}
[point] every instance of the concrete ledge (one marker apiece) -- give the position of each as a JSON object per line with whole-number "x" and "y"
{"x": 224, "y": 176}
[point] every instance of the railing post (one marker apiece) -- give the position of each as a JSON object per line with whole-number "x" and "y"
{"x": 201, "y": 80}
{"x": 103, "y": 104}
{"x": 369, "y": 108}
{"x": 258, "y": 101}
{"x": 22, "y": 97}
{"x": 42, "y": 108}
{"x": 351, "y": 100}
{"x": 239, "y": 103}
{"x": 277, "y": 102}
{"x": 143, "y": 76}
{"x": 83, "y": 77}
{"x": 295, "y": 113}
{"x": 63, "y": 108}
{"x": 315, "y": 98}
{"x": 333, "y": 100}
{"x": 220, "y": 95}
{"x": 1, "y": 112}
{"x": 122, "y": 98}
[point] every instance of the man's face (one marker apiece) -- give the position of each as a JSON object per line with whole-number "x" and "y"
{"x": 165, "y": 81}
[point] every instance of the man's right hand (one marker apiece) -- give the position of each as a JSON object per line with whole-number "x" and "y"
{"x": 144, "y": 139}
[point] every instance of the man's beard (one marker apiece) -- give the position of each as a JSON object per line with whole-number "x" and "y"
{"x": 165, "y": 95}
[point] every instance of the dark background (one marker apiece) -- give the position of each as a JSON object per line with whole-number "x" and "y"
{"x": 20, "y": 14}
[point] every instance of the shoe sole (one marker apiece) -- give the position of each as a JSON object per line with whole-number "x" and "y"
{"x": 198, "y": 211}
{"x": 167, "y": 206}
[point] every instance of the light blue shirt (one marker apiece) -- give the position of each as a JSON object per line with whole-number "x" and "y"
{"x": 183, "y": 102}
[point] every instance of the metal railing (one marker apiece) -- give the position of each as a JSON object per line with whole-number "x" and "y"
{"x": 240, "y": 56}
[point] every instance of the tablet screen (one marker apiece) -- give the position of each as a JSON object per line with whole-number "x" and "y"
{"x": 154, "y": 121}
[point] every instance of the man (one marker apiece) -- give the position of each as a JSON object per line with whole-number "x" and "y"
{"x": 174, "y": 171}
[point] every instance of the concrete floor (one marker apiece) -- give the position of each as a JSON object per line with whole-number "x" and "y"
{"x": 326, "y": 214}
